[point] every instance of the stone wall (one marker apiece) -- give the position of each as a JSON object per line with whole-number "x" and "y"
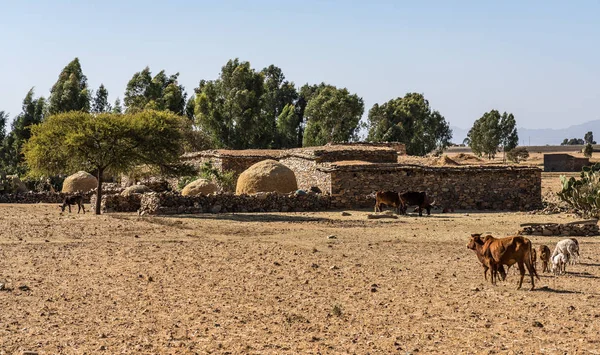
{"x": 307, "y": 174}
{"x": 40, "y": 197}
{"x": 471, "y": 188}
{"x": 118, "y": 203}
{"x": 400, "y": 148}
{"x": 568, "y": 229}
{"x": 172, "y": 203}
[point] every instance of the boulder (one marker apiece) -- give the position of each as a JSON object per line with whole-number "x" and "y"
{"x": 197, "y": 187}
{"x": 136, "y": 189}
{"x": 19, "y": 186}
{"x": 80, "y": 182}
{"x": 266, "y": 176}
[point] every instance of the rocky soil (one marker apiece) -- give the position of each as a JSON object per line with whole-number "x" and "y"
{"x": 280, "y": 283}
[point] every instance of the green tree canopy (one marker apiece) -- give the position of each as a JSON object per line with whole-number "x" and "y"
{"x": 409, "y": 120}
{"x": 75, "y": 141}
{"x": 70, "y": 92}
{"x": 160, "y": 92}
{"x": 332, "y": 115}
{"x": 229, "y": 108}
{"x": 491, "y": 131}
{"x": 117, "y": 107}
{"x": 33, "y": 112}
{"x": 589, "y": 138}
{"x": 100, "y": 103}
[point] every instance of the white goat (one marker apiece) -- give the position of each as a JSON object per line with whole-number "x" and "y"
{"x": 568, "y": 247}
{"x": 559, "y": 263}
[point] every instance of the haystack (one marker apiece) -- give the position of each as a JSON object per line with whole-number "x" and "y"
{"x": 135, "y": 189}
{"x": 80, "y": 182}
{"x": 266, "y": 176}
{"x": 197, "y": 187}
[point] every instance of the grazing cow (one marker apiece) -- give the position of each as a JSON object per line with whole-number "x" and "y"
{"x": 559, "y": 263}
{"x": 476, "y": 244}
{"x": 508, "y": 251}
{"x": 391, "y": 199}
{"x": 545, "y": 257}
{"x": 73, "y": 200}
{"x": 569, "y": 247}
{"x": 419, "y": 199}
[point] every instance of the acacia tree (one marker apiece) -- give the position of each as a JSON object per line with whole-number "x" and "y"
{"x": 105, "y": 142}
{"x": 410, "y": 120}
{"x": 491, "y": 131}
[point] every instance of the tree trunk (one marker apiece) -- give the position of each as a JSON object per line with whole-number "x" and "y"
{"x": 99, "y": 191}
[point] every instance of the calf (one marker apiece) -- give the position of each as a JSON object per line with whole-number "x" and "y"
{"x": 419, "y": 199}
{"x": 476, "y": 244}
{"x": 391, "y": 199}
{"x": 569, "y": 247}
{"x": 545, "y": 257}
{"x": 559, "y": 263}
{"x": 508, "y": 251}
{"x": 73, "y": 200}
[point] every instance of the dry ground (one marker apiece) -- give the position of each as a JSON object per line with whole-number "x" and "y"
{"x": 274, "y": 283}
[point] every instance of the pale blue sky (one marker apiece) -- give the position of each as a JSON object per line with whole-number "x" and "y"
{"x": 537, "y": 59}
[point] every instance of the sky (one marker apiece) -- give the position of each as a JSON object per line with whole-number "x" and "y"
{"x": 539, "y": 60}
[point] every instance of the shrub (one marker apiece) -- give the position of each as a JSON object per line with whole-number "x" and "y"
{"x": 517, "y": 154}
{"x": 583, "y": 193}
{"x": 588, "y": 150}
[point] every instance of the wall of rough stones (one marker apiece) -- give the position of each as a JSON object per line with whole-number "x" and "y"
{"x": 307, "y": 174}
{"x": 40, "y": 197}
{"x": 117, "y": 203}
{"x": 173, "y": 203}
{"x": 555, "y": 229}
{"x": 471, "y": 188}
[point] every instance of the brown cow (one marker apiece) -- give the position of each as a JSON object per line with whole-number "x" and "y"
{"x": 391, "y": 199}
{"x": 545, "y": 257}
{"x": 476, "y": 244}
{"x": 508, "y": 251}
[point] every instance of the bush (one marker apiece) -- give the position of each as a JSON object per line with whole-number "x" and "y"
{"x": 44, "y": 183}
{"x": 517, "y": 154}
{"x": 583, "y": 193}
{"x": 588, "y": 150}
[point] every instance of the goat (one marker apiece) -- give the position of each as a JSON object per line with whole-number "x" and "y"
{"x": 569, "y": 247}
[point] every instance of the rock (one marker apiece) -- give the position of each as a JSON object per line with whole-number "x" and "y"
{"x": 300, "y": 193}
{"x": 19, "y": 186}
{"x": 334, "y": 268}
{"x": 24, "y": 288}
{"x": 1, "y": 287}
{"x": 80, "y": 182}
{"x": 345, "y": 214}
{"x": 266, "y": 176}
{"x": 216, "y": 209}
{"x": 331, "y": 237}
{"x": 136, "y": 189}
{"x": 30, "y": 353}
{"x": 538, "y": 324}
{"x": 197, "y": 187}
{"x": 476, "y": 289}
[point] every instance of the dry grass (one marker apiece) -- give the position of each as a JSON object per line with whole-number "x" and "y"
{"x": 275, "y": 284}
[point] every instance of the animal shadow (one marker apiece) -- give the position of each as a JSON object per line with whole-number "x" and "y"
{"x": 548, "y": 289}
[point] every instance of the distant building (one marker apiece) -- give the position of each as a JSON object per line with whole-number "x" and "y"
{"x": 564, "y": 163}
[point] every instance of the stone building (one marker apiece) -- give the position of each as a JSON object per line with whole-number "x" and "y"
{"x": 350, "y": 172}
{"x": 564, "y": 163}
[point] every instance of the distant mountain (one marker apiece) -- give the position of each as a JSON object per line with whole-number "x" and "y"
{"x": 542, "y": 136}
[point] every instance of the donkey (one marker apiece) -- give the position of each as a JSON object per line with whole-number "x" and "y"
{"x": 73, "y": 200}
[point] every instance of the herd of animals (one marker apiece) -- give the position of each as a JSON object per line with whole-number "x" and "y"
{"x": 494, "y": 253}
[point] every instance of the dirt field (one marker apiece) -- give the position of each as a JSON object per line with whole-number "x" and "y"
{"x": 275, "y": 283}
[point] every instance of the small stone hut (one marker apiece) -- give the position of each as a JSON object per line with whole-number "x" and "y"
{"x": 564, "y": 163}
